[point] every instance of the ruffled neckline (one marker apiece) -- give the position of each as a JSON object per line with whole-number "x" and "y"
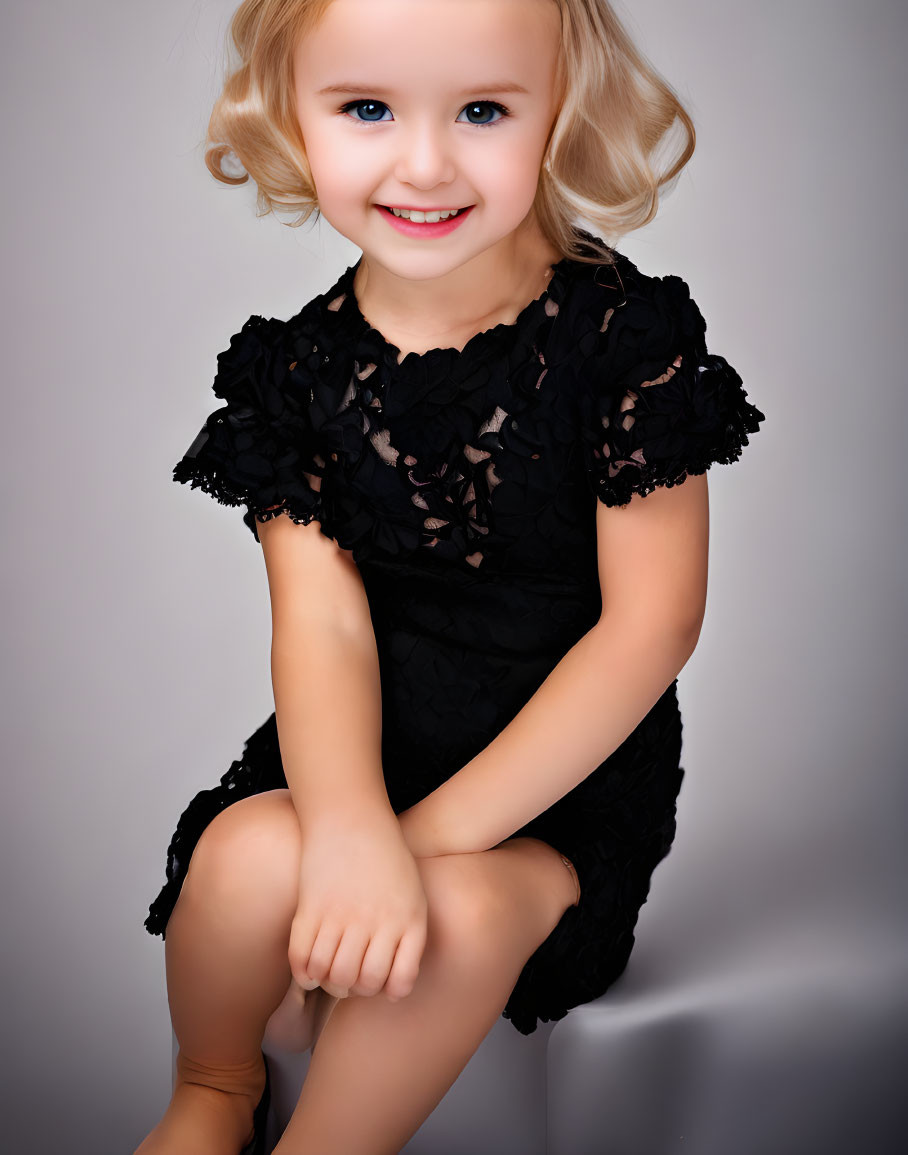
{"x": 340, "y": 308}
{"x": 361, "y": 327}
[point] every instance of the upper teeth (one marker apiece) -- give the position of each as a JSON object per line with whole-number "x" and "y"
{"x": 416, "y": 215}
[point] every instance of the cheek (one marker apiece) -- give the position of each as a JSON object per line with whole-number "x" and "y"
{"x": 511, "y": 172}
{"x": 333, "y": 165}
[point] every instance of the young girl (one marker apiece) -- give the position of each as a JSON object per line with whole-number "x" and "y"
{"x": 476, "y": 467}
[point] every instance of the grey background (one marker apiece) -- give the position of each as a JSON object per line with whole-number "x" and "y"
{"x": 137, "y": 619}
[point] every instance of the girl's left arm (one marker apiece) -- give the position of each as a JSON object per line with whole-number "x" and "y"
{"x": 653, "y": 560}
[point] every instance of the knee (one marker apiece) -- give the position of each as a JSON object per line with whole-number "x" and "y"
{"x": 466, "y": 914}
{"x": 250, "y": 848}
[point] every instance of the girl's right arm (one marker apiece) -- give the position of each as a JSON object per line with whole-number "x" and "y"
{"x": 360, "y": 925}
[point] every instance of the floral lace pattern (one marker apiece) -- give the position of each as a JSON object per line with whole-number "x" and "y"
{"x": 667, "y": 408}
{"x": 466, "y": 483}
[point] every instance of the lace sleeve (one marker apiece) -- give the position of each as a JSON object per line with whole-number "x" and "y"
{"x": 662, "y": 407}
{"x": 256, "y": 450}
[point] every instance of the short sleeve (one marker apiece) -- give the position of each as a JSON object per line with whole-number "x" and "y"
{"x": 257, "y": 449}
{"x": 659, "y": 406}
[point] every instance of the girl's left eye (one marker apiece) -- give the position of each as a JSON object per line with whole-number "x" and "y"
{"x": 499, "y": 108}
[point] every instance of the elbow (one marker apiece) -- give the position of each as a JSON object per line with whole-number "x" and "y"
{"x": 682, "y": 633}
{"x": 689, "y": 622}
{"x": 689, "y": 635}
{"x": 675, "y": 634}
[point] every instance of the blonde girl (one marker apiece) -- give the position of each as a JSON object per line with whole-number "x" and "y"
{"x": 476, "y": 469}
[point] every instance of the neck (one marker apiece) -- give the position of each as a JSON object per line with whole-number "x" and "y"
{"x": 466, "y": 300}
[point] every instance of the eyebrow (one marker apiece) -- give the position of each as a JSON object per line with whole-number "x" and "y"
{"x": 497, "y": 87}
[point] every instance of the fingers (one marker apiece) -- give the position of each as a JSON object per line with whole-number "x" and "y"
{"x": 331, "y": 958}
{"x": 302, "y": 957}
{"x": 405, "y": 969}
{"x": 345, "y": 962}
{"x": 376, "y": 963}
{"x": 339, "y": 975}
{"x": 358, "y": 964}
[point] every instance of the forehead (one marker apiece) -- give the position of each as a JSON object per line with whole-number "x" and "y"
{"x": 430, "y": 45}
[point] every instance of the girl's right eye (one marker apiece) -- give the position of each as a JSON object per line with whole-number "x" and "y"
{"x": 363, "y": 104}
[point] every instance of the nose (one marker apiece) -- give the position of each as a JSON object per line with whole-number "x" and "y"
{"x": 425, "y": 159}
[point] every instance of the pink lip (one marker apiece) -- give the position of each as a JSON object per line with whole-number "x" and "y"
{"x": 423, "y": 230}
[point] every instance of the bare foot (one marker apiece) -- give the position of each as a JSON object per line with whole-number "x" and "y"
{"x": 202, "y": 1121}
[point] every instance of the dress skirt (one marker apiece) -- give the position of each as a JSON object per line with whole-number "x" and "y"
{"x": 615, "y": 826}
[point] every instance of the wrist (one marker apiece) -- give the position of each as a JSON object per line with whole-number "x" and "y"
{"x": 345, "y": 812}
{"x": 425, "y": 832}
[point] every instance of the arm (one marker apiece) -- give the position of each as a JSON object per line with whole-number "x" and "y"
{"x": 653, "y": 573}
{"x": 325, "y": 674}
{"x": 360, "y": 889}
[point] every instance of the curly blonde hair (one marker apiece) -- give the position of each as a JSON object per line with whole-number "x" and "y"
{"x": 614, "y": 114}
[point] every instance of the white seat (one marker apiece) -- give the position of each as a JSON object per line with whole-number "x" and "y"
{"x": 804, "y": 1054}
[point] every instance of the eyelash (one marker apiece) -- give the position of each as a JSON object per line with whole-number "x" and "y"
{"x": 505, "y": 112}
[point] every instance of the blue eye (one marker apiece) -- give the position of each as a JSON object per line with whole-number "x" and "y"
{"x": 378, "y": 104}
{"x": 363, "y": 104}
{"x": 500, "y": 108}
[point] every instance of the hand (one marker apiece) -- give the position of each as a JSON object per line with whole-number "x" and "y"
{"x": 360, "y": 924}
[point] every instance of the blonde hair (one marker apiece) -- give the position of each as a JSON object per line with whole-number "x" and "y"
{"x": 615, "y": 113}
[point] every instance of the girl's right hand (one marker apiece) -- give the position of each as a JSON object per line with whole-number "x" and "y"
{"x": 360, "y": 923}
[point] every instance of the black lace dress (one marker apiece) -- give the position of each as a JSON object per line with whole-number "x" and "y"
{"x": 465, "y": 483}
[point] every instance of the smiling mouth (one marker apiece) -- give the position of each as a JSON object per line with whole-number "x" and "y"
{"x": 424, "y": 212}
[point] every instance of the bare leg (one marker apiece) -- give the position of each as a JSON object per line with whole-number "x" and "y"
{"x": 227, "y": 970}
{"x": 380, "y": 1068}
